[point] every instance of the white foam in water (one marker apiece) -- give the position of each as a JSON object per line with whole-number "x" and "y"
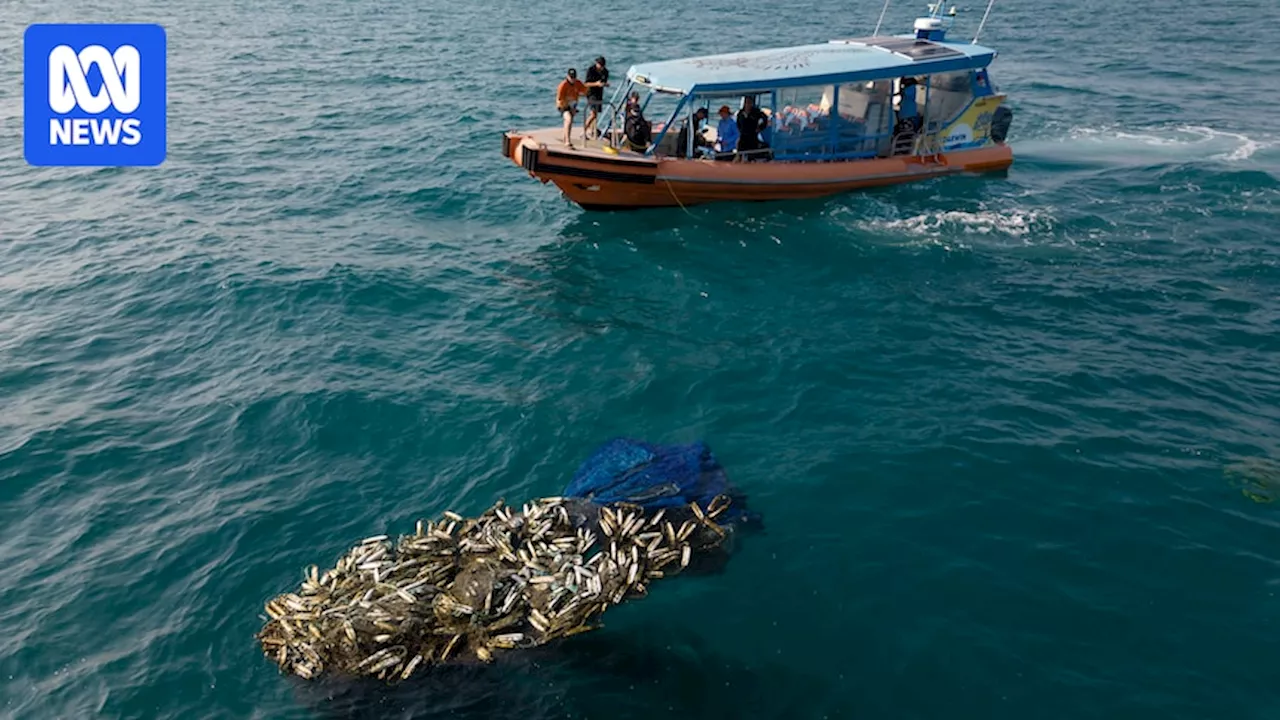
{"x": 1181, "y": 143}
{"x": 1244, "y": 152}
{"x": 1013, "y": 223}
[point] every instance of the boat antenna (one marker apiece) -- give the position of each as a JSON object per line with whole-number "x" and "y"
{"x": 984, "y": 22}
{"x": 881, "y": 20}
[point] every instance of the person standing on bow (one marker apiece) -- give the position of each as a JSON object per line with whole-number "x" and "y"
{"x": 597, "y": 81}
{"x": 567, "y": 93}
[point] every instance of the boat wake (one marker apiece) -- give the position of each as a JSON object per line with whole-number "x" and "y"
{"x": 1146, "y": 146}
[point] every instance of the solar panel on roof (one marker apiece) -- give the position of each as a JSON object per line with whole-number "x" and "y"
{"x": 915, "y": 49}
{"x": 911, "y": 47}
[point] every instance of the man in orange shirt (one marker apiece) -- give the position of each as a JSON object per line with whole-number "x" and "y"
{"x": 567, "y": 93}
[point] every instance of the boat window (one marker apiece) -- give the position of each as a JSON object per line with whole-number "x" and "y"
{"x": 949, "y": 95}
{"x": 827, "y": 122}
{"x": 801, "y": 109}
{"x": 660, "y": 110}
{"x": 800, "y": 121}
{"x": 982, "y": 84}
{"x": 865, "y": 118}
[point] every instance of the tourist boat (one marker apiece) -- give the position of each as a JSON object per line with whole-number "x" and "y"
{"x": 832, "y": 124}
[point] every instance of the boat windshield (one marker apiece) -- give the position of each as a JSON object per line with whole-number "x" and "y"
{"x": 659, "y": 107}
{"x": 951, "y": 93}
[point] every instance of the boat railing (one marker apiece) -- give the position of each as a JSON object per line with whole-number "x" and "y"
{"x": 828, "y": 146}
{"x": 820, "y": 148}
{"x": 610, "y": 114}
{"x": 930, "y": 144}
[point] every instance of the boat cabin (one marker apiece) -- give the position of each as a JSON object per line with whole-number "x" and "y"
{"x": 840, "y": 100}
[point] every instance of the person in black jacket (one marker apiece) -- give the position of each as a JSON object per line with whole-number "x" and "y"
{"x": 682, "y": 140}
{"x": 597, "y": 81}
{"x": 751, "y": 122}
{"x": 637, "y": 130}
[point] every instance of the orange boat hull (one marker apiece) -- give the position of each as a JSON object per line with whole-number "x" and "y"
{"x": 599, "y": 181}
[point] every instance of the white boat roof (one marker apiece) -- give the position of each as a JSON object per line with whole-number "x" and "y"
{"x": 836, "y": 61}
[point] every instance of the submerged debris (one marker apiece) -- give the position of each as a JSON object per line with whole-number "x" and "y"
{"x": 1258, "y": 478}
{"x": 461, "y": 590}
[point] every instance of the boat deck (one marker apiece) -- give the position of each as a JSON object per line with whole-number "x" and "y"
{"x": 553, "y": 138}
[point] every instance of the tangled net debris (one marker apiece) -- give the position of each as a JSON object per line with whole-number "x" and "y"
{"x": 461, "y": 590}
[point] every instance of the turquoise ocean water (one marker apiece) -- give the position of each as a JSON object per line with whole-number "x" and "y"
{"x": 986, "y": 419}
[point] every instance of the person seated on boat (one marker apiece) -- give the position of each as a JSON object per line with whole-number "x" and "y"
{"x": 795, "y": 119}
{"x": 751, "y": 122}
{"x": 682, "y": 140}
{"x": 635, "y": 127}
{"x": 567, "y": 93}
{"x": 784, "y": 116}
{"x": 726, "y": 134}
{"x": 908, "y": 112}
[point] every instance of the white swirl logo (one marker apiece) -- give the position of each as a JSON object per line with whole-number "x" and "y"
{"x": 69, "y": 86}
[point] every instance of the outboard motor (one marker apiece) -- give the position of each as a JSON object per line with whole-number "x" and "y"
{"x": 1000, "y": 122}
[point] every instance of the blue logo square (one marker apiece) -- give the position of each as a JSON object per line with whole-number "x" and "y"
{"x": 94, "y": 95}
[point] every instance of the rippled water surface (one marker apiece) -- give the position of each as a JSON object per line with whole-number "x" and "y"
{"x": 988, "y": 420}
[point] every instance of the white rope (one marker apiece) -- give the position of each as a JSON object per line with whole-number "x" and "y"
{"x": 984, "y": 21}
{"x": 881, "y": 20}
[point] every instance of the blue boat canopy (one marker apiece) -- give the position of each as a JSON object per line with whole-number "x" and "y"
{"x": 837, "y": 61}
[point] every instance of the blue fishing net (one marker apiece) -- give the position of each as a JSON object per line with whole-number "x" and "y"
{"x": 656, "y": 477}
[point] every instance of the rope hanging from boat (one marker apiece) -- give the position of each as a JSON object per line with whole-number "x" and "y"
{"x": 677, "y": 199}
{"x": 984, "y": 21}
{"x": 881, "y": 20}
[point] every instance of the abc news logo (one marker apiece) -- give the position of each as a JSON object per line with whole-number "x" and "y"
{"x": 94, "y": 95}
{"x": 69, "y": 88}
